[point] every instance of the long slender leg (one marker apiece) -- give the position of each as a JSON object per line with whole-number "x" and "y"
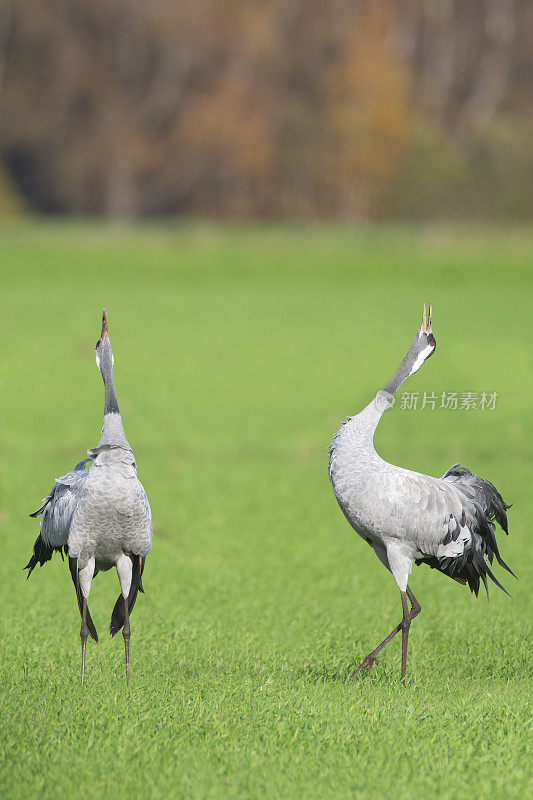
{"x": 125, "y": 573}
{"x": 126, "y": 635}
{"x": 82, "y": 581}
{"x": 84, "y": 633}
{"x": 406, "y": 624}
{"x": 371, "y": 659}
{"x": 408, "y": 617}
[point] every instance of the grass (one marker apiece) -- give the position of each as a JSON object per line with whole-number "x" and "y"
{"x": 238, "y": 351}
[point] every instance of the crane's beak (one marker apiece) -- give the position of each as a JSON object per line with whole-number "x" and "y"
{"x": 427, "y": 325}
{"x": 105, "y": 331}
{"x": 104, "y": 334}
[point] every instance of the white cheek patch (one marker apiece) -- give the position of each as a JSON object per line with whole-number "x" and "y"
{"x": 426, "y": 352}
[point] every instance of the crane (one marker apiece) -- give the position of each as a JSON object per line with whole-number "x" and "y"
{"x": 98, "y": 514}
{"x": 408, "y": 517}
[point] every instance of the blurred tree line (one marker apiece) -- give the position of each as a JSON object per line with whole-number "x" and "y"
{"x": 347, "y": 109}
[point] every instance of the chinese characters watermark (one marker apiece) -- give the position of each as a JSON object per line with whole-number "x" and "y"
{"x": 453, "y": 401}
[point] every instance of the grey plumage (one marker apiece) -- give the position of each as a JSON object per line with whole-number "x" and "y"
{"x": 99, "y": 513}
{"x": 57, "y": 510}
{"x": 408, "y": 517}
{"x": 483, "y": 506}
{"x": 112, "y": 514}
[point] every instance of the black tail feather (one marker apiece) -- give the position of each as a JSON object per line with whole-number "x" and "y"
{"x": 485, "y": 504}
{"x": 73, "y": 564}
{"x": 118, "y": 616}
{"x": 45, "y": 503}
{"x": 42, "y": 553}
{"x": 496, "y": 581}
{"x": 40, "y": 510}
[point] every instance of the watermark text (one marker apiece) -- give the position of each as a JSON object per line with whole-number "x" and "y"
{"x": 449, "y": 401}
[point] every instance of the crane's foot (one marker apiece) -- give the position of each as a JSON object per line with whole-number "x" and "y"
{"x": 371, "y": 659}
{"x": 369, "y": 662}
{"x": 408, "y": 617}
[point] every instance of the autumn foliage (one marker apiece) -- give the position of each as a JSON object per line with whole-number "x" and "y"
{"x": 242, "y": 108}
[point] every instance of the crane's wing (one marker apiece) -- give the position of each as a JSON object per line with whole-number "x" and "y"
{"x": 450, "y": 522}
{"x": 57, "y": 510}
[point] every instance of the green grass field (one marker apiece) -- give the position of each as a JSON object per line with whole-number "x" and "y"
{"x": 238, "y": 352}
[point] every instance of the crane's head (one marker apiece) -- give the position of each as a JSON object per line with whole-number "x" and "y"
{"x": 112, "y": 431}
{"x": 104, "y": 354}
{"x": 422, "y": 347}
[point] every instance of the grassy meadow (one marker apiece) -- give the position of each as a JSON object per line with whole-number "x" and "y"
{"x": 238, "y": 352}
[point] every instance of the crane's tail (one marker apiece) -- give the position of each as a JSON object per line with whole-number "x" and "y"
{"x": 73, "y": 564}
{"x": 42, "y": 553}
{"x": 482, "y": 507}
{"x": 118, "y": 617}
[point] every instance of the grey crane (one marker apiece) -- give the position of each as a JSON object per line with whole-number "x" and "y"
{"x": 99, "y": 515}
{"x": 407, "y": 517}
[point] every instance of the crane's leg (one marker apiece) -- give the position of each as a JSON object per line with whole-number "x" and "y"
{"x": 406, "y": 624}
{"x": 82, "y": 581}
{"x": 84, "y": 633}
{"x": 125, "y": 573}
{"x": 126, "y": 635}
{"x": 371, "y": 659}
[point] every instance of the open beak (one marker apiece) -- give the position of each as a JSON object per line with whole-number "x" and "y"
{"x": 426, "y": 326}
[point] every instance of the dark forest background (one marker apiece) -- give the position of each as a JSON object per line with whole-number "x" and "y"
{"x": 297, "y": 109}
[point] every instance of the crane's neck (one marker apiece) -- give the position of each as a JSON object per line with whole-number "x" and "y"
{"x": 112, "y": 428}
{"x": 402, "y": 373}
{"x": 113, "y": 431}
{"x": 422, "y": 347}
{"x": 110, "y": 400}
{"x": 354, "y": 441}
{"x": 366, "y": 422}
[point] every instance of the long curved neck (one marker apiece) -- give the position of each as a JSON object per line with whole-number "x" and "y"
{"x": 357, "y": 433}
{"x": 406, "y": 368}
{"x": 398, "y": 378}
{"x": 368, "y": 419}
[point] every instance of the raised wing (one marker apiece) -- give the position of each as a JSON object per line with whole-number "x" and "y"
{"x": 57, "y": 510}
